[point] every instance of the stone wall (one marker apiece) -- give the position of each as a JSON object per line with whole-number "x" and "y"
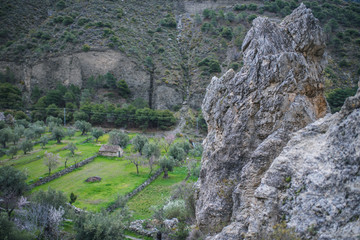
{"x": 62, "y": 172}
{"x": 138, "y": 189}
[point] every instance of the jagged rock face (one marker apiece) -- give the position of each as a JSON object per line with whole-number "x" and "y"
{"x": 251, "y": 116}
{"x": 314, "y": 184}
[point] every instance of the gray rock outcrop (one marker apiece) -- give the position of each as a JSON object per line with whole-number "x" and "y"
{"x": 251, "y": 116}
{"x": 314, "y": 184}
{"x": 76, "y": 68}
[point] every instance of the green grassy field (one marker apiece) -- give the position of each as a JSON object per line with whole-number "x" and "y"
{"x": 118, "y": 178}
{"x": 33, "y": 162}
{"x": 157, "y": 193}
{"x": 118, "y": 175}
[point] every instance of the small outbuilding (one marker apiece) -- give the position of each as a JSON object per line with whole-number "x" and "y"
{"x": 111, "y": 151}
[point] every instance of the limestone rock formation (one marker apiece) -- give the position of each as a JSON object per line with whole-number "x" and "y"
{"x": 314, "y": 184}
{"x": 76, "y": 68}
{"x": 252, "y": 115}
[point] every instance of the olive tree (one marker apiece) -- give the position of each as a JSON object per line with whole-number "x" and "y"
{"x": 12, "y": 151}
{"x": 58, "y": 134}
{"x": 26, "y": 146}
{"x": 96, "y": 133}
{"x": 139, "y": 142}
{"x": 51, "y": 161}
{"x": 152, "y": 152}
{"x": 83, "y": 126}
{"x": 43, "y": 141}
{"x": 12, "y": 187}
{"x": 6, "y": 135}
{"x": 167, "y": 164}
{"x": 118, "y": 138}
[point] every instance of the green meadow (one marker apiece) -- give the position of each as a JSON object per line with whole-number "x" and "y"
{"x": 118, "y": 177}
{"x": 157, "y": 193}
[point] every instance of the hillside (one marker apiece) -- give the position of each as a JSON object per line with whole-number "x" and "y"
{"x": 166, "y": 51}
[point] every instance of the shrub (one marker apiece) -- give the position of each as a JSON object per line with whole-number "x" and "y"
{"x": 337, "y": 97}
{"x": 101, "y": 225}
{"x": 234, "y": 66}
{"x": 185, "y": 145}
{"x": 212, "y": 64}
{"x": 69, "y": 37}
{"x": 82, "y": 21}
{"x": 51, "y": 197}
{"x": 177, "y": 152}
{"x": 227, "y": 33}
{"x": 85, "y": 47}
{"x": 197, "y": 150}
{"x": 352, "y": 32}
{"x": 108, "y": 32}
{"x": 73, "y": 198}
{"x": 120, "y": 13}
{"x": 251, "y": 17}
{"x": 67, "y": 20}
{"x": 168, "y": 21}
{"x": 206, "y": 13}
{"x": 60, "y": 5}
{"x": 344, "y": 63}
{"x": 175, "y": 209}
{"x": 206, "y": 27}
{"x": 58, "y": 19}
{"x": 239, "y": 7}
{"x": 230, "y": 17}
{"x": 123, "y": 88}
{"x": 282, "y": 232}
{"x": 8, "y": 230}
{"x": 252, "y": 7}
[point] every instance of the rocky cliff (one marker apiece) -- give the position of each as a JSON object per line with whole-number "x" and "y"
{"x": 77, "y": 67}
{"x": 255, "y": 171}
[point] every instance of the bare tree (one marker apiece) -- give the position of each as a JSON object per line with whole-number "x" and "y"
{"x": 51, "y": 161}
{"x": 169, "y": 139}
{"x": 71, "y": 147}
{"x": 137, "y": 160}
{"x": 76, "y": 161}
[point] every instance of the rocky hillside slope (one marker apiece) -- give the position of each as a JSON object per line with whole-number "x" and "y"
{"x": 166, "y": 51}
{"x": 258, "y": 168}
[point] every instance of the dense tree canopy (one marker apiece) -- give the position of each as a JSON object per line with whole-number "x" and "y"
{"x": 10, "y": 96}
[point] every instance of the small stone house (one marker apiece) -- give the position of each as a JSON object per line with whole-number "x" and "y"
{"x": 111, "y": 151}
